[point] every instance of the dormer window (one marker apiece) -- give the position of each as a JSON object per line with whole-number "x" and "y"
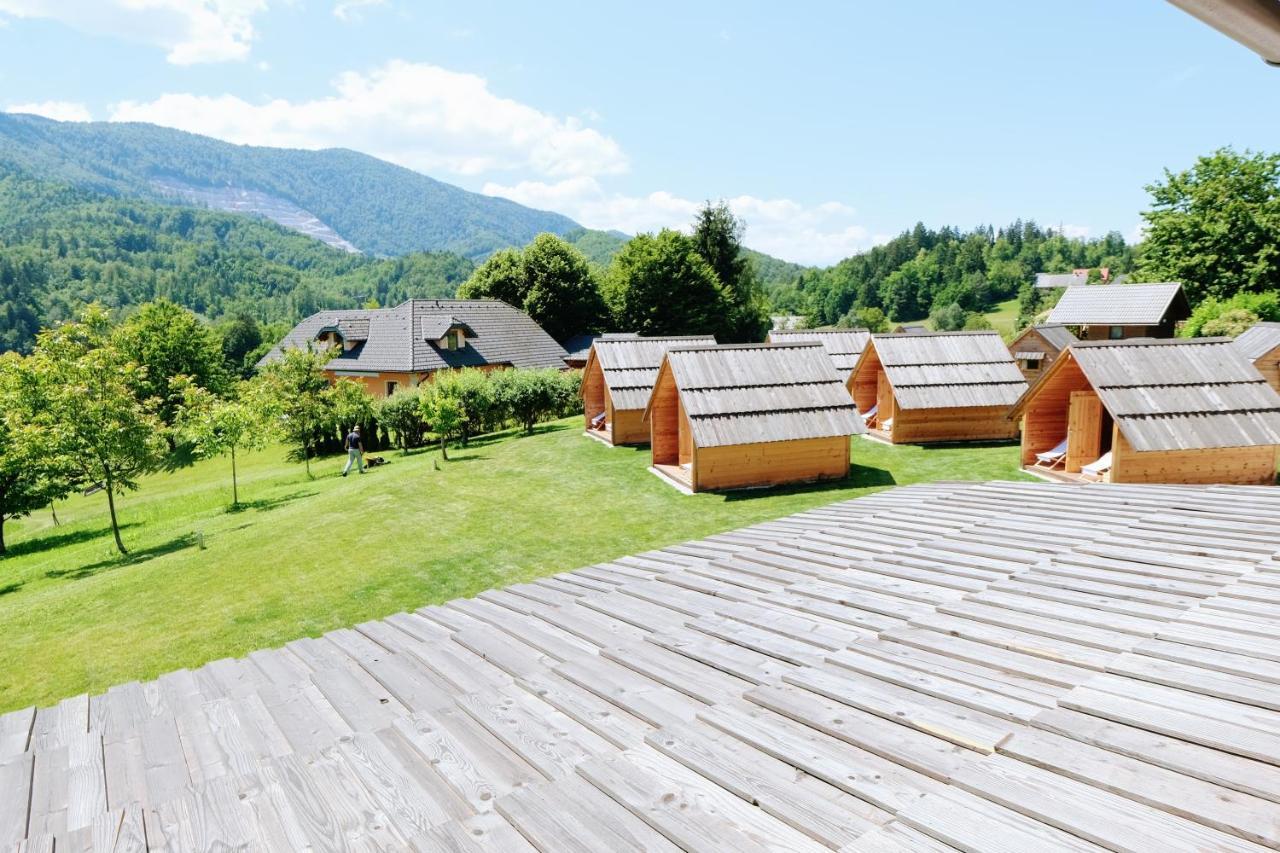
{"x": 455, "y": 339}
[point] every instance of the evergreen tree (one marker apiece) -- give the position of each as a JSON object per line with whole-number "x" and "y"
{"x": 717, "y": 235}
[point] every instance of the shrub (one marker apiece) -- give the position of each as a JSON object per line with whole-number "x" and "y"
{"x": 530, "y": 396}
{"x": 402, "y": 415}
{"x": 1230, "y": 323}
{"x": 1264, "y": 306}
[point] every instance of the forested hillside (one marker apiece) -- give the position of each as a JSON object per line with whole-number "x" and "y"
{"x": 924, "y": 270}
{"x": 380, "y": 208}
{"x": 62, "y": 247}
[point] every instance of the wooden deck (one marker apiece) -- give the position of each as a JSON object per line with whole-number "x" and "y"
{"x": 1006, "y": 667}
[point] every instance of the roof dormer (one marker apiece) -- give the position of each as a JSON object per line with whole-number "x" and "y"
{"x": 447, "y": 333}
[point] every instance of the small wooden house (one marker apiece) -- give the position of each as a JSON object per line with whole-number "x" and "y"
{"x": 1037, "y": 348}
{"x": 730, "y": 417}
{"x": 1261, "y": 345}
{"x": 940, "y": 386}
{"x": 1152, "y": 411}
{"x": 843, "y": 345}
{"x": 617, "y": 381}
{"x": 1118, "y": 311}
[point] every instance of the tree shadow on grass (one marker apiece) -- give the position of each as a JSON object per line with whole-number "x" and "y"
{"x": 59, "y": 540}
{"x": 267, "y": 504}
{"x": 860, "y": 477}
{"x": 12, "y": 587}
{"x": 178, "y": 543}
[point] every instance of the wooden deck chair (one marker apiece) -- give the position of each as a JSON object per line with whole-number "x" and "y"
{"x": 598, "y": 421}
{"x": 1096, "y": 469}
{"x": 1051, "y": 459}
{"x": 870, "y": 414}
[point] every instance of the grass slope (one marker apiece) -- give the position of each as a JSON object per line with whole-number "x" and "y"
{"x": 307, "y": 556}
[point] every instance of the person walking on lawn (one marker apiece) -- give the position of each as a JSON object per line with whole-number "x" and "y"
{"x": 355, "y": 451}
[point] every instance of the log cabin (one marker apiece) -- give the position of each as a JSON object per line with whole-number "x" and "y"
{"x": 729, "y": 417}
{"x": 1152, "y": 411}
{"x": 1037, "y": 347}
{"x": 1261, "y": 345}
{"x": 939, "y": 386}
{"x": 843, "y": 345}
{"x": 617, "y": 381}
{"x": 1119, "y": 311}
{"x": 386, "y": 349}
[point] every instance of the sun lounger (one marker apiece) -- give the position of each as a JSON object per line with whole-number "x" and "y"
{"x": 1098, "y": 468}
{"x": 598, "y": 421}
{"x": 1051, "y": 459}
{"x": 870, "y": 414}
{"x": 887, "y": 426}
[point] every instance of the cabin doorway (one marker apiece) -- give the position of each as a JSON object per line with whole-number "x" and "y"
{"x": 1088, "y": 430}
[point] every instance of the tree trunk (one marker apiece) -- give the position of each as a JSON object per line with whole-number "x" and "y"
{"x": 2, "y": 534}
{"x": 115, "y": 524}
{"x": 306, "y": 458}
{"x": 444, "y": 451}
{"x": 235, "y": 487}
{"x": 53, "y": 510}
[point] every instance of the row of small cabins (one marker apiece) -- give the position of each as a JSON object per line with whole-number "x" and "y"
{"x": 719, "y": 417}
{"x": 1147, "y": 409}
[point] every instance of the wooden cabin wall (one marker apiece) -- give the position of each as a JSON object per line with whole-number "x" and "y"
{"x": 686, "y": 452}
{"x": 628, "y": 426}
{"x": 1268, "y": 365}
{"x": 1250, "y": 466}
{"x": 863, "y": 384}
{"x": 771, "y": 463}
{"x": 1032, "y": 341}
{"x": 593, "y": 393}
{"x": 886, "y": 405}
{"x": 664, "y": 421}
{"x": 1044, "y": 421}
{"x": 983, "y": 423}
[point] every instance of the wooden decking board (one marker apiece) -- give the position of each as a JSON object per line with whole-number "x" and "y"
{"x": 936, "y": 667}
{"x": 768, "y": 783}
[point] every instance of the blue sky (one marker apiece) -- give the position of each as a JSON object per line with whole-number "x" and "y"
{"x": 829, "y": 126}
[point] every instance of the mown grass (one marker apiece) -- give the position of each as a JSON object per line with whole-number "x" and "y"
{"x": 306, "y": 556}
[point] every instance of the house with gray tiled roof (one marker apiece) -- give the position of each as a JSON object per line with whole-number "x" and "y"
{"x": 391, "y": 348}
{"x": 1118, "y": 311}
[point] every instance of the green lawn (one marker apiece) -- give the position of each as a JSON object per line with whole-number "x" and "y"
{"x": 307, "y": 556}
{"x": 1004, "y": 317}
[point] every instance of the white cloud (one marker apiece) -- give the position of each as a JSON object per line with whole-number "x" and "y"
{"x": 418, "y": 115}
{"x": 192, "y": 31}
{"x": 819, "y": 234}
{"x": 1136, "y": 234}
{"x": 57, "y": 110}
{"x": 1075, "y": 232}
{"x": 352, "y": 10}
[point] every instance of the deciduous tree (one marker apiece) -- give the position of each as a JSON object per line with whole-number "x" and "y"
{"x": 33, "y": 472}
{"x": 220, "y": 426}
{"x": 659, "y": 284}
{"x": 1216, "y": 226}
{"x": 89, "y": 406}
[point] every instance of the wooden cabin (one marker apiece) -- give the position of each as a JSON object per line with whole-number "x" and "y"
{"x": 1037, "y": 347}
{"x": 1261, "y": 345}
{"x": 617, "y": 381}
{"x": 843, "y": 345}
{"x": 1120, "y": 311}
{"x": 729, "y": 417}
{"x": 940, "y": 386}
{"x": 1152, "y": 411}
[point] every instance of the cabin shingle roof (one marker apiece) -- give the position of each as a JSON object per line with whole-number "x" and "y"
{"x": 1258, "y": 340}
{"x": 1049, "y": 280}
{"x": 630, "y": 364}
{"x": 756, "y": 393}
{"x": 405, "y": 339}
{"x": 1181, "y": 394}
{"x": 1057, "y": 336}
{"x": 949, "y": 370}
{"x": 843, "y": 345}
{"x": 1117, "y": 304}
